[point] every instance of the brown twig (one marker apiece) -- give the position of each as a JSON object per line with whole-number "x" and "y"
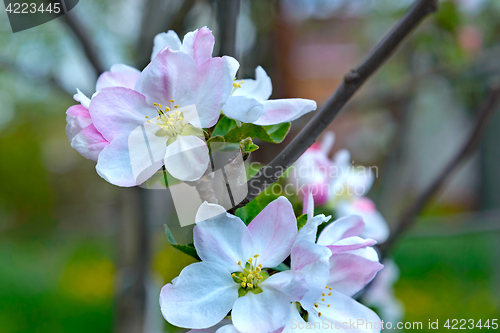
{"x": 484, "y": 114}
{"x": 352, "y": 82}
{"x": 227, "y": 15}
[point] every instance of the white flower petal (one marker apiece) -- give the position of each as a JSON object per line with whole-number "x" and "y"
{"x": 187, "y": 158}
{"x": 208, "y": 211}
{"x": 80, "y": 97}
{"x": 200, "y": 297}
{"x": 264, "y": 312}
{"x": 259, "y": 89}
{"x": 244, "y": 109}
{"x": 164, "y": 39}
{"x": 223, "y": 239}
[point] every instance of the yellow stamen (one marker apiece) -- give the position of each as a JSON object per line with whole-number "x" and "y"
{"x": 249, "y": 285}
{"x": 176, "y": 106}
{"x": 255, "y": 256}
{"x": 250, "y": 260}
{"x": 171, "y": 101}
{"x": 239, "y": 263}
{"x": 243, "y": 284}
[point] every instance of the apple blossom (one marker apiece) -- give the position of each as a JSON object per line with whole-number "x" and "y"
{"x": 160, "y": 121}
{"x": 353, "y": 263}
{"x": 233, "y": 275}
{"x": 339, "y": 185}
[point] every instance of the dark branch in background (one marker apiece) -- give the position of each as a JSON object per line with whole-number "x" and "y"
{"x": 484, "y": 114}
{"x": 352, "y": 82}
{"x": 158, "y": 16}
{"x": 227, "y": 17}
{"x": 81, "y": 33}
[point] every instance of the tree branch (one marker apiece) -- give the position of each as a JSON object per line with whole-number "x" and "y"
{"x": 484, "y": 114}
{"x": 352, "y": 82}
{"x": 227, "y": 18}
{"x": 85, "y": 41}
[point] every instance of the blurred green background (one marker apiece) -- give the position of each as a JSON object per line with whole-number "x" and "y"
{"x": 70, "y": 244}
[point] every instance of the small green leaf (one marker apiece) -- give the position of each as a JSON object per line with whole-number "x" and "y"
{"x": 188, "y": 249}
{"x": 301, "y": 221}
{"x": 273, "y": 134}
{"x": 215, "y": 143}
{"x": 223, "y": 126}
{"x": 247, "y": 146}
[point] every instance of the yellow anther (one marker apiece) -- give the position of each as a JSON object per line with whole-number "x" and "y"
{"x": 250, "y": 260}
{"x": 330, "y": 288}
{"x": 167, "y": 108}
{"x": 244, "y": 279}
{"x": 260, "y": 266}
{"x": 316, "y": 305}
{"x": 171, "y": 101}
{"x": 158, "y": 118}
{"x": 149, "y": 122}
{"x": 326, "y": 287}
{"x": 258, "y": 269}
{"x": 233, "y": 274}
{"x": 329, "y": 294}
{"x": 249, "y": 285}
{"x": 260, "y": 277}
{"x": 147, "y": 117}
{"x": 328, "y": 306}
{"x": 255, "y": 256}
{"x": 323, "y": 299}
{"x": 323, "y": 294}
{"x": 250, "y": 276}
{"x": 176, "y": 106}
{"x": 239, "y": 263}
{"x": 319, "y": 314}
{"x": 243, "y": 284}
{"x": 156, "y": 104}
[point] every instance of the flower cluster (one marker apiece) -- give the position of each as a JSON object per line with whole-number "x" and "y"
{"x": 242, "y": 273}
{"x": 138, "y": 122}
{"x": 338, "y": 185}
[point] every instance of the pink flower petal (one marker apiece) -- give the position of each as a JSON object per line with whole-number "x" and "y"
{"x": 199, "y": 44}
{"x": 350, "y": 273}
{"x": 273, "y": 231}
{"x": 284, "y": 110}
{"x": 119, "y": 76}
{"x": 216, "y": 83}
{"x": 172, "y": 75}
{"x": 118, "y": 110}
{"x": 342, "y": 228}
{"x": 89, "y": 143}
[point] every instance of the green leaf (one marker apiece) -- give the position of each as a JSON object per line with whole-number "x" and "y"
{"x": 273, "y": 133}
{"x": 215, "y": 143}
{"x": 301, "y": 221}
{"x": 254, "y": 207}
{"x": 223, "y": 126}
{"x": 188, "y": 249}
{"x": 247, "y": 146}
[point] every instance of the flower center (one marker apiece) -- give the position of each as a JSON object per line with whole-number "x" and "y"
{"x": 324, "y": 300}
{"x": 171, "y": 122}
{"x": 250, "y": 276}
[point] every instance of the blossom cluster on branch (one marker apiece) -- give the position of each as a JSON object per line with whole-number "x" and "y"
{"x": 263, "y": 269}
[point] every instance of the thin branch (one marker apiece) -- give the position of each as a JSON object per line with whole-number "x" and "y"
{"x": 484, "y": 114}
{"x": 352, "y": 82}
{"x": 85, "y": 40}
{"x": 227, "y": 15}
